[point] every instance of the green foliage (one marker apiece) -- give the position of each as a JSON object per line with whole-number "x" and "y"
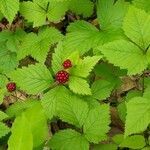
{"x": 101, "y": 89}
{"x": 21, "y": 137}
{"x": 70, "y": 110}
{"x": 125, "y": 55}
{"x": 138, "y": 112}
{"x": 136, "y": 27}
{"x": 35, "y": 78}
{"x": 9, "y": 8}
{"x": 69, "y": 139}
{"x": 133, "y": 142}
{"x": 51, "y": 98}
{"x": 37, "y": 46}
{"x": 107, "y": 88}
{"x": 29, "y": 129}
{"x": 97, "y": 124}
{"x": 79, "y": 86}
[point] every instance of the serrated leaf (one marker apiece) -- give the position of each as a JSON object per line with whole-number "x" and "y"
{"x": 57, "y": 10}
{"x": 136, "y": 27}
{"x": 111, "y": 13}
{"x": 73, "y": 110}
{"x": 82, "y": 36}
{"x": 12, "y": 39}
{"x": 58, "y": 57}
{"x": 38, "y": 46}
{"x": 133, "y": 142}
{"x": 38, "y": 123}
{"x": 84, "y": 7}
{"x": 4, "y": 130}
{"x": 126, "y": 55}
{"x": 3, "y": 116}
{"x": 97, "y": 124}
{"x": 8, "y": 59}
{"x": 33, "y": 79}
{"x": 9, "y": 8}
{"x": 79, "y": 86}
{"x": 138, "y": 112}
{"x": 21, "y": 137}
{"x": 101, "y": 89}
{"x": 41, "y": 10}
{"x": 85, "y": 66}
{"x": 50, "y": 99}
{"x": 38, "y": 15}
{"x": 68, "y": 139}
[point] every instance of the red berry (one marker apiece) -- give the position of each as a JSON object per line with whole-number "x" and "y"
{"x": 11, "y": 86}
{"x": 62, "y": 76}
{"x": 67, "y": 64}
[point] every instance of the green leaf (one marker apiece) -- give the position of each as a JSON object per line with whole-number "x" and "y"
{"x": 85, "y": 66}
{"x": 3, "y": 115}
{"x": 18, "y": 107}
{"x": 41, "y": 10}
{"x": 101, "y": 89}
{"x": 21, "y": 137}
{"x": 82, "y": 36}
{"x": 38, "y": 46}
{"x": 79, "y": 86}
{"x": 57, "y": 10}
{"x": 8, "y": 59}
{"x": 3, "y": 81}
{"x": 109, "y": 72}
{"x": 3, "y": 91}
{"x": 126, "y": 55}
{"x": 84, "y": 7}
{"x": 51, "y": 98}
{"x": 12, "y": 39}
{"x": 68, "y": 139}
{"x": 136, "y": 27}
{"x": 111, "y": 13}
{"x": 133, "y": 142}
{"x": 38, "y": 123}
{"x": 143, "y": 4}
{"x": 38, "y": 15}
{"x": 9, "y": 8}
{"x": 4, "y": 130}
{"x": 58, "y": 57}
{"x": 122, "y": 110}
{"x": 33, "y": 79}
{"x": 138, "y": 112}
{"x": 1, "y": 16}
{"x": 73, "y": 110}
{"x": 105, "y": 147}
{"x": 97, "y": 124}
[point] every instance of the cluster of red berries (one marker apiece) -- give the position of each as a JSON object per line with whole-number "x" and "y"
{"x": 62, "y": 76}
{"x": 11, "y": 86}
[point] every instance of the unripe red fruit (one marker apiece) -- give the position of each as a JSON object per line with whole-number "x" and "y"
{"x": 62, "y": 76}
{"x": 67, "y": 64}
{"x": 11, "y": 86}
